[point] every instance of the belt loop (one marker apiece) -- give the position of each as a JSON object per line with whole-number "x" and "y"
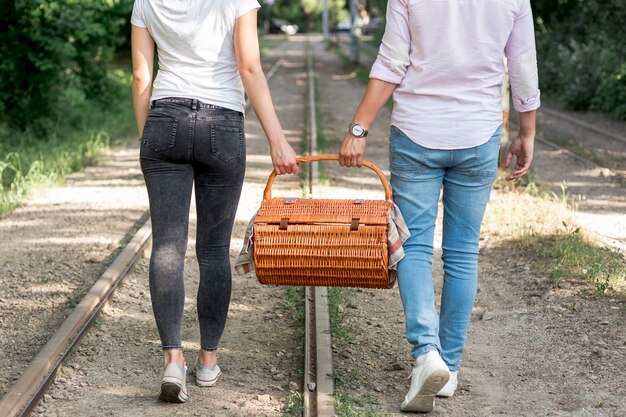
{"x": 194, "y": 104}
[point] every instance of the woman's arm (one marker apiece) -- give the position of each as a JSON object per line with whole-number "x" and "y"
{"x": 376, "y": 95}
{"x": 255, "y": 84}
{"x": 142, "y": 46}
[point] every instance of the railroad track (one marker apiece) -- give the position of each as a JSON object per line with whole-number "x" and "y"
{"x": 318, "y": 388}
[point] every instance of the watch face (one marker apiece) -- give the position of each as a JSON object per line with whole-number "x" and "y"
{"x": 357, "y": 130}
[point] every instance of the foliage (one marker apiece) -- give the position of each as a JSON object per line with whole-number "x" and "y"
{"x": 307, "y": 13}
{"x": 582, "y": 53}
{"x": 295, "y": 405}
{"x": 49, "y": 47}
{"x": 27, "y": 161}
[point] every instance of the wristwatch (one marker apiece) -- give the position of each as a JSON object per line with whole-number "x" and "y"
{"x": 358, "y": 130}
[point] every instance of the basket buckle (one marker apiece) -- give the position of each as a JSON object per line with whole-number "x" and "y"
{"x": 359, "y": 201}
{"x": 290, "y": 200}
{"x": 354, "y": 225}
{"x": 283, "y": 223}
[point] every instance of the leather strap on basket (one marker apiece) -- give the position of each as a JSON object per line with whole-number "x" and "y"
{"x": 267, "y": 194}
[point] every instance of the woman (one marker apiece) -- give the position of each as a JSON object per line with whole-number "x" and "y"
{"x": 190, "y": 123}
{"x": 442, "y": 62}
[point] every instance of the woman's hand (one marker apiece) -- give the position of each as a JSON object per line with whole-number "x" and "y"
{"x": 352, "y": 151}
{"x": 283, "y": 158}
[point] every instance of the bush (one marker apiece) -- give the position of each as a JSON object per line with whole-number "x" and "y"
{"x": 611, "y": 93}
{"x": 582, "y": 54}
{"x": 50, "y": 46}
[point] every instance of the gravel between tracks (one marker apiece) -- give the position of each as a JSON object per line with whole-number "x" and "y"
{"x": 532, "y": 350}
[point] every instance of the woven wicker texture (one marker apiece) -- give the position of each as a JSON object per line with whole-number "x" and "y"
{"x": 303, "y": 210}
{"x": 323, "y": 242}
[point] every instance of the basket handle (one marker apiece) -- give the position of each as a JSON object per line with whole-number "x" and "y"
{"x": 267, "y": 194}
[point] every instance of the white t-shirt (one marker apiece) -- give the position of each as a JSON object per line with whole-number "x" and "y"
{"x": 195, "y": 47}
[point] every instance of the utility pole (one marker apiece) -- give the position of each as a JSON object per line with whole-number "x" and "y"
{"x": 354, "y": 39}
{"x": 325, "y": 23}
{"x": 267, "y": 16}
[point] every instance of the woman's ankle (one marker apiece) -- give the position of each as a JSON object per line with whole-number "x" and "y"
{"x": 173, "y": 356}
{"x": 207, "y": 358}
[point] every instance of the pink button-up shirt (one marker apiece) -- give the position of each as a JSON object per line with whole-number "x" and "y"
{"x": 447, "y": 58}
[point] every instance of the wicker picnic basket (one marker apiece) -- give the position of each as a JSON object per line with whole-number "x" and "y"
{"x": 323, "y": 242}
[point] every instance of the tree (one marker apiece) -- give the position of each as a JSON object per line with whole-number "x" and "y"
{"x": 48, "y": 47}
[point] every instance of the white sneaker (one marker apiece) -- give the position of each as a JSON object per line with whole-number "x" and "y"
{"x": 427, "y": 379}
{"x": 207, "y": 376}
{"x": 173, "y": 387}
{"x": 450, "y": 387}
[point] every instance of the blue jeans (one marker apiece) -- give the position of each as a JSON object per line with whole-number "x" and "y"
{"x": 417, "y": 177}
{"x": 189, "y": 145}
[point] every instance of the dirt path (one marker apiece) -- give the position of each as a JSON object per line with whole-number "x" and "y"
{"x": 54, "y": 247}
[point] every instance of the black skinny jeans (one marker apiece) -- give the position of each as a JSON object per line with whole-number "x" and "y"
{"x": 188, "y": 143}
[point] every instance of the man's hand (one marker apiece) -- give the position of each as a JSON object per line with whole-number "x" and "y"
{"x": 352, "y": 151}
{"x": 522, "y": 148}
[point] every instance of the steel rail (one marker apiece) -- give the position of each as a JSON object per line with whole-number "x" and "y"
{"x": 569, "y": 153}
{"x": 32, "y": 385}
{"x": 585, "y": 125}
{"x": 318, "y": 383}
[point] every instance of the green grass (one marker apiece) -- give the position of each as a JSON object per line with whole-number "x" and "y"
{"x": 339, "y": 331}
{"x": 569, "y": 254}
{"x": 293, "y": 303}
{"x": 75, "y": 139}
{"x": 347, "y": 406}
{"x": 345, "y": 380}
{"x": 295, "y": 405}
{"x": 325, "y": 144}
{"x": 539, "y": 224}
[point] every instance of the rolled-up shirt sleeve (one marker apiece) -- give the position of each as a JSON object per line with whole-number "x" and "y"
{"x": 522, "y": 62}
{"x": 393, "y": 55}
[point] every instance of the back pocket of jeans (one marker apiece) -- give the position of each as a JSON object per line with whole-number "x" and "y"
{"x": 226, "y": 142}
{"x": 159, "y": 133}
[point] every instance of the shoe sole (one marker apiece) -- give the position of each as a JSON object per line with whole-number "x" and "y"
{"x": 210, "y": 383}
{"x": 172, "y": 392}
{"x": 424, "y": 401}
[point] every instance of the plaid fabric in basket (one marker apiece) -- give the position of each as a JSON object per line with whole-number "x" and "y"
{"x": 397, "y": 234}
